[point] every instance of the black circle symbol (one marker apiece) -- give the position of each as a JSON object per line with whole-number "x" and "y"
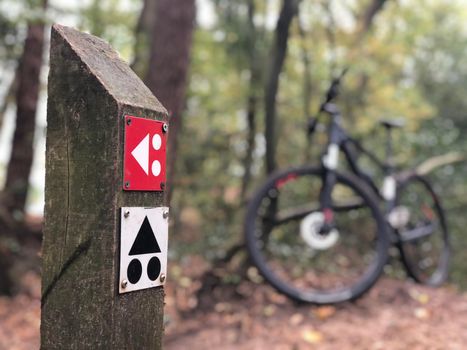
{"x": 134, "y": 271}
{"x": 154, "y": 268}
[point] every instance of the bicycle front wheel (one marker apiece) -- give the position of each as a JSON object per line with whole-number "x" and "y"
{"x": 285, "y": 241}
{"x": 423, "y": 237}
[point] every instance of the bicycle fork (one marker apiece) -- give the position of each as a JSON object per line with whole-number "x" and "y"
{"x": 329, "y": 162}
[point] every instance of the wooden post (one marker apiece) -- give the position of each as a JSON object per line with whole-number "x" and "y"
{"x": 90, "y": 91}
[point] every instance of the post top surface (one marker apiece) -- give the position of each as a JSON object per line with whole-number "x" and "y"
{"x": 112, "y": 72}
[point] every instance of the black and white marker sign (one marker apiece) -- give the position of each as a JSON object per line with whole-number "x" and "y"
{"x": 143, "y": 248}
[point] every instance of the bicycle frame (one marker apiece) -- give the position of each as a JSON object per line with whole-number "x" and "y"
{"x": 340, "y": 141}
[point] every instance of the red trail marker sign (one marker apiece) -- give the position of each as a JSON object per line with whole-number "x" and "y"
{"x": 144, "y": 159}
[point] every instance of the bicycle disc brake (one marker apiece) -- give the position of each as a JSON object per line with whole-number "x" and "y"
{"x": 399, "y": 217}
{"x": 310, "y": 227}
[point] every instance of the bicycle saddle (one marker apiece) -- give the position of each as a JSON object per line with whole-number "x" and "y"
{"x": 392, "y": 123}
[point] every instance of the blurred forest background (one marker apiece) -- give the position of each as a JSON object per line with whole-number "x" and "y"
{"x": 241, "y": 78}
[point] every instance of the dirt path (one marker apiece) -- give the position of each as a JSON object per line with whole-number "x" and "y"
{"x": 394, "y": 315}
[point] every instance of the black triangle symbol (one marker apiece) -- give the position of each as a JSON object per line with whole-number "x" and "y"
{"x": 145, "y": 242}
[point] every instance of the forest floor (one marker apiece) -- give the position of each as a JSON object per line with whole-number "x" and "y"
{"x": 395, "y": 314}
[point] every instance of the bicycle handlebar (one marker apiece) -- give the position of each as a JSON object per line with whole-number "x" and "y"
{"x": 331, "y": 94}
{"x": 333, "y": 90}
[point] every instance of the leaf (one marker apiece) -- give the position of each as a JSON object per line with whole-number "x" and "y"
{"x": 277, "y": 298}
{"x": 254, "y": 275}
{"x": 223, "y": 307}
{"x": 269, "y": 310}
{"x": 421, "y": 313}
{"x": 422, "y": 298}
{"x": 296, "y": 319}
{"x": 312, "y": 336}
{"x": 185, "y": 282}
{"x": 324, "y": 312}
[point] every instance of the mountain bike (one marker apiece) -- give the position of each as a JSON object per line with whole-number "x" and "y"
{"x": 321, "y": 235}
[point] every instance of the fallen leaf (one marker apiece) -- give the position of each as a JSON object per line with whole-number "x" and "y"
{"x": 175, "y": 272}
{"x": 254, "y": 275}
{"x": 312, "y": 336}
{"x": 296, "y": 319}
{"x": 185, "y": 282}
{"x": 324, "y": 312}
{"x": 223, "y": 307}
{"x": 421, "y": 313}
{"x": 277, "y": 298}
{"x": 269, "y": 310}
{"x": 422, "y": 298}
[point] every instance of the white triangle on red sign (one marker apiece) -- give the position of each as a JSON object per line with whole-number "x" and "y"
{"x": 141, "y": 154}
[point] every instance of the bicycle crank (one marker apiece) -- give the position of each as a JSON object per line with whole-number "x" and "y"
{"x": 310, "y": 231}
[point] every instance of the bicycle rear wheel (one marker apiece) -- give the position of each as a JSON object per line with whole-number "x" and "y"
{"x": 282, "y": 230}
{"x": 424, "y": 238}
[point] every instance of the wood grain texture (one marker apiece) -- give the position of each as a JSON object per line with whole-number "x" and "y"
{"x": 90, "y": 90}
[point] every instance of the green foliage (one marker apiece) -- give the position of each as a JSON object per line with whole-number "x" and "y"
{"x": 8, "y": 38}
{"x": 113, "y": 20}
{"x": 403, "y": 67}
{"x": 410, "y": 64}
{"x": 440, "y": 67}
{"x": 209, "y": 155}
{"x": 14, "y": 17}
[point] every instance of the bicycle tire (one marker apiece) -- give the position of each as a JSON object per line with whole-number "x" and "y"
{"x": 426, "y": 259}
{"x": 319, "y": 284}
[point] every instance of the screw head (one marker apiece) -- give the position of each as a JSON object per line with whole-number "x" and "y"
{"x": 124, "y": 284}
{"x": 126, "y": 213}
{"x": 165, "y": 127}
{"x": 127, "y": 184}
{"x": 162, "y": 277}
{"x": 128, "y": 122}
{"x": 165, "y": 214}
{"x": 162, "y": 185}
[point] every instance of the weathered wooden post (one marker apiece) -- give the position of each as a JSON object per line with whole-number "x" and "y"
{"x": 105, "y": 173}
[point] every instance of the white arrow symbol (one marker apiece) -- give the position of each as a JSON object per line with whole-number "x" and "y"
{"x": 141, "y": 154}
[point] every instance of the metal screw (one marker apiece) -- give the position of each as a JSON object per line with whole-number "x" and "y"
{"x": 162, "y": 185}
{"x": 124, "y": 284}
{"x": 165, "y": 214}
{"x": 127, "y": 184}
{"x": 162, "y": 278}
{"x": 165, "y": 127}
{"x": 126, "y": 213}
{"x": 128, "y": 122}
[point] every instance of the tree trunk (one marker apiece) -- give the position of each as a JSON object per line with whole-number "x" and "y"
{"x": 25, "y": 87}
{"x": 371, "y": 11}
{"x": 252, "y": 100}
{"x": 143, "y": 30}
{"x": 28, "y": 75}
{"x": 278, "y": 53}
{"x": 252, "y": 103}
{"x": 307, "y": 85}
{"x": 168, "y": 70}
{"x": 366, "y": 20}
{"x": 9, "y": 99}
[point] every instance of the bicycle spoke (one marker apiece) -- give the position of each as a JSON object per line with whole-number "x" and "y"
{"x": 300, "y": 259}
{"x": 424, "y": 238}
